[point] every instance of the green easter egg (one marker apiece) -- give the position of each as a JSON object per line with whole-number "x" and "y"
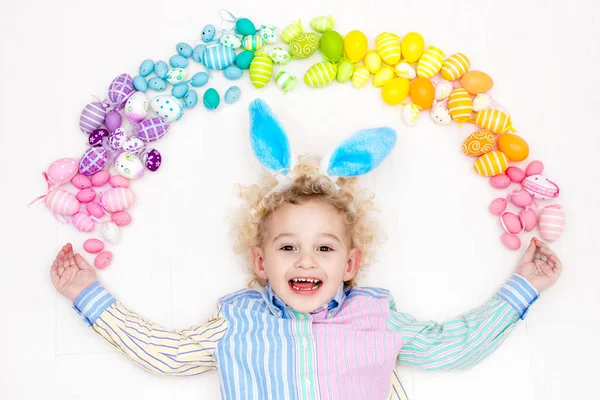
{"x": 211, "y": 99}
{"x": 332, "y": 46}
{"x": 304, "y": 45}
{"x": 345, "y": 71}
{"x": 244, "y": 59}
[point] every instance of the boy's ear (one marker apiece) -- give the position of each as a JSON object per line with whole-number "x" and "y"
{"x": 257, "y": 257}
{"x": 353, "y": 264}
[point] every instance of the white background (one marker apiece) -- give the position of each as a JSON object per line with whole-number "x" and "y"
{"x": 174, "y": 261}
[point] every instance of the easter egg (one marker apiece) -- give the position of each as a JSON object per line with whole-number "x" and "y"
{"x": 261, "y": 70}
{"x": 322, "y": 24}
{"x": 476, "y": 82}
{"x": 86, "y": 195}
{"x": 180, "y": 90}
{"x": 521, "y": 198}
{"x": 304, "y": 45}
{"x": 96, "y": 137}
{"x": 552, "y": 222}
{"x": 140, "y": 84}
{"x": 529, "y": 217}
{"x": 157, "y": 84}
{"x": 244, "y": 26}
{"x": 136, "y": 108}
{"x": 498, "y": 206}
{"x": 491, "y": 164}
{"x": 440, "y": 114}
{"x": 183, "y": 49}
{"x": 208, "y": 33}
{"x": 92, "y": 117}
{"x": 117, "y": 199}
{"x": 360, "y": 77}
{"x": 493, "y": 120}
{"x": 405, "y": 70}
{"x": 83, "y": 222}
{"x": 244, "y": 59}
{"x": 512, "y": 242}
{"x": 120, "y": 88}
{"x": 146, "y": 68}
{"x": 430, "y": 62}
{"x": 81, "y": 181}
{"x": 511, "y": 222}
{"x": 372, "y": 61}
{"x": 515, "y": 148}
{"x": 232, "y": 94}
{"x": 167, "y": 107}
{"x": 268, "y": 33}
{"x": 93, "y": 246}
{"x": 320, "y": 74}
{"x": 199, "y": 79}
{"x": 93, "y": 160}
{"x": 218, "y": 57}
{"x": 113, "y": 120}
{"x": 482, "y": 102}
{"x": 178, "y": 62}
{"x": 152, "y": 129}
{"x": 412, "y": 46}
{"x": 253, "y": 42}
{"x": 211, "y": 99}
{"x": 190, "y": 99}
{"x": 285, "y": 81}
{"x": 455, "y": 67}
{"x": 534, "y": 168}
{"x": 121, "y": 218}
{"x": 100, "y": 178}
{"x": 355, "y": 45}
{"x": 291, "y": 31}
{"x": 515, "y": 174}
{"x": 62, "y": 171}
{"x": 110, "y": 232}
{"x": 478, "y": 143}
{"x": 541, "y": 187}
{"x": 410, "y": 113}
{"x": 233, "y": 72}
{"x": 501, "y": 181}
{"x": 116, "y": 139}
{"x": 395, "y": 90}
{"x": 345, "y": 70}
{"x": 129, "y": 166}
{"x": 388, "y": 47}
{"x": 232, "y": 41}
{"x": 176, "y": 75}
{"x": 443, "y": 90}
{"x": 62, "y": 202}
{"x": 152, "y": 160}
{"x": 280, "y": 56}
{"x": 422, "y": 92}
{"x": 382, "y": 76}
{"x": 94, "y": 209}
{"x": 133, "y": 145}
{"x": 332, "y": 46}
{"x": 119, "y": 181}
{"x": 103, "y": 260}
{"x": 161, "y": 69}
{"x": 460, "y": 105}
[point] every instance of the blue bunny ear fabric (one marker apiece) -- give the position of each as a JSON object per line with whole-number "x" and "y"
{"x": 361, "y": 152}
{"x": 267, "y": 137}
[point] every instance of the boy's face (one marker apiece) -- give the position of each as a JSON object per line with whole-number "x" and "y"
{"x": 305, "y": 254}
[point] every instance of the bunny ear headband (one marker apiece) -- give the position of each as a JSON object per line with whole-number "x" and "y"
{"x": 355, "y": 156}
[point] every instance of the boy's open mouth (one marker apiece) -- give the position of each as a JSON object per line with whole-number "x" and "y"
{"x": 305, "y": 284}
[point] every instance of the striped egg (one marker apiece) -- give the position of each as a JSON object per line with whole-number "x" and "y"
{"x": 117, "y": 199}
{"x": 552, "y": 222}
{"x": 304, "y": 45}
{"x": 494, "y": 120}
{"x": 430, "y": 62}
{"x": 478, "y": 143}
{"x": 491, "y": 164}
{"x": 62, "y": 202}
{"x": 152, "y": 129}
{"x": 120, "y": 89}
{"x": 360, "y": 77}
{"x": 261, "y": 70}
{"x": 322, "y": 24}
{"x": 253, "y": 42}
{"x": 93, "y": 160}
{"x": 293, "y": 30}
{"x": 460, "y": 105}
{"x": 455, "y": 67}
{"x": 388, "y": 47}
{"x": 83, "y": 222}
{"x": 92, "y": 117}
{"x": 320, "y": 74}
{"x": 285, "y": 81}
{"x": 218, "y": 57}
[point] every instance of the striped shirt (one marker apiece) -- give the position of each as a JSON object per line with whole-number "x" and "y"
{"x": 347, "y": 349}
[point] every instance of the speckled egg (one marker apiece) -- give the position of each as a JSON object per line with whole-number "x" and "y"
{"x": 232, "y": 94}
{"x": 103, "y": 260}
{"x": 81, "y": 181}
{"x": 93, "y": 246}
{"x": 94, "y": 209}
{"x": 110, "y": 232}
{"x": 121, "y": 218}
{"x": 86, "y": 195}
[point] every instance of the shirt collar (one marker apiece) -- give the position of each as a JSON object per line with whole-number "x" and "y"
{"x": 280, "y": 309}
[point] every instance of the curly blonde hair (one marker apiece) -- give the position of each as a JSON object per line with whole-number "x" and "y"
{"x": 356, "y": 205}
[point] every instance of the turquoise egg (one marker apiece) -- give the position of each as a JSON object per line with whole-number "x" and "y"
{"x": 157, "y": 84}
{"x": 199, "y": 79}
{"x": 161, "y": 69}
{"x": 232, "y": 94}
{"x": 233, "y": 72}
{"x": 244, "y": 26}
{"x": 146, "y": 68}
{"x": 140, "y": 84}
{"x": 184, "y": 49}
{"x": 211, "y": 99}
{"x": 208, "y": 33}
{"x": 197, "y": 53}
{"x": 178, "y": 61}
{"x": 179, "y": 90}
{"x": 244, "y": 59}
{"x": 191, "y": 99}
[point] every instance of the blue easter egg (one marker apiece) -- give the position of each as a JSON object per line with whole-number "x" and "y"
{"x": 184, "y": 49}
{"x": 140, "y": 84}
{"x": 208, "y": 33}
{"x": 157, "y": 84}
{"x": 191, "y": 99}
{"x": 197, "y": 52}
{"x": 233, "y": 72}
{"x": 244, "y": 59}
{"x": 178, "y": 61}
{"x": 232, "y": 94}
{"x": 211, "y": 99}
{"x": 161, "y": 69}
{"x": 146, "y": 68}
{"x": 179, "y": 90}
{"x": 199, "y": 79}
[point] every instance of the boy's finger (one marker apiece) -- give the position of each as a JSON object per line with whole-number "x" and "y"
{"x": 529, "y": 253}
{"x": 81, "y": 263}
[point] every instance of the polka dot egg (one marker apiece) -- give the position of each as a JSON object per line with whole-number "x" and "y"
{"x": 167, "y": 107}
{"x": 268, "y": 33}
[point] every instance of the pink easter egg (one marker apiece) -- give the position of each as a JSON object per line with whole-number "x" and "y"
{"x": 541, "y": 187}
{"x": 512, "y": 242}
{"x": 498, "y": 206}
{"x": 121, "y": 218}
{"x": 62, "y": 202}
{"x": 119, "y": 181}
{"x": 103, "y": 260}
{"x": 511, "y": 222}
{"x": 534, "y": 168}
{"x": 552, "y": 222}
{"x": 94, "y": 209}
{"x": 500, "y": 181}
{"x": 515, "y": 174}
{"x": 93, "y": 246}
{"x": 529, "y": 218}
{"x": 83, "y": 222}
{"x": 62, "y": 171}
{"x": 521, "y": 198}
{"x": 117, "y": 199}
{"x": 100, "y": 178}
{"x": 81, "y": 181}
{"x": 86, "y": 195}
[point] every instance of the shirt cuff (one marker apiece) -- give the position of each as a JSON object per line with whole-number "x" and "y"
{"x": 519, "y": 294}
{"x": 92, "y": 302}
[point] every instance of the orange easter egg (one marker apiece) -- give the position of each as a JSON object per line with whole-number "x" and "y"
{"x": 455, "y": 67}
{"x": 476, "y": 82}
{"x": 422, "y": 92}
{"x": 460, "y": 105}
{"x": 491, "y": 164}
{"x": 493, "y": 120}
{"x": 478, "y": 143}
{"x": 515, "y": 147}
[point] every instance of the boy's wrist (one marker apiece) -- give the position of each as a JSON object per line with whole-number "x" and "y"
{"x": 92, "y": 302}
{"x": 519, "y": 293}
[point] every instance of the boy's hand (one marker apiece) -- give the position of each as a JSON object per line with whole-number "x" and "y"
{"x": 70, "y": 273}
{"x": 539, "y": 265}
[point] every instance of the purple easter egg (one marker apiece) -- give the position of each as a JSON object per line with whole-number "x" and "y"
{"x": 133, "y": 145}
{"x": 95, "y": 138}
{"x": 152, "y": 129}
{"x": 92, "y": 117}
{"x": 113, "y": 120}
{"x": 93, "y": 160}
{"x": 152, "y": 160}
{"x": 116, "y": 139}
{"x": 120, "y": 89}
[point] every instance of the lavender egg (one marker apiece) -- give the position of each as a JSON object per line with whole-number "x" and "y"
{"x": 113, "y": 120}
{"x": 152, "y": 160}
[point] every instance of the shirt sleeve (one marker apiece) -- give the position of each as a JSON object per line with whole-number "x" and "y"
{"x": 464, "y": 341}
{"x": 156, "y": 349}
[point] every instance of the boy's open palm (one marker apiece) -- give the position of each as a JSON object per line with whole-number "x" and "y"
{"x": 70, "y": 273}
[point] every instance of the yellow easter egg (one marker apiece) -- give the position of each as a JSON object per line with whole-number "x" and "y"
{"x": 478, "y": 143}
{"x": 291, "y": 31}
{"x": 373, "y": 61}
{"x": 460, "y": 105}
{"x": 388, "y": 47}
{"x": 455, "y": 67}
{"x": 430, "y": 62}
{"x": 360, "y": 77}
{"x": 494, "y": 120}
{"x": 395, "y": 90}
{"x": 355, "y": 45}
{"x": 491, "y": 164}
{"x": 412, "y": 46}
{"x": 382, "y": 76}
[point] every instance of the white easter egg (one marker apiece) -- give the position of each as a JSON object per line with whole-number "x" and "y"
{"x": 280, "y": 56}
{"x": 443, "y": 90}
{"x": 440, "y": 114}
{"x": 110, "y": 232}
{"x": 129, "y": 166}
{"x": 167, "y": 107}
{"x": 176, "y": 75}
{"x": 231, "y": 40}
{"x": 482, "y": 102}
{"x": 410, "y": 114}
{"x": 405, "y": 70}
{"x": 136, "y": 108}
{"x": 268, "y": 33}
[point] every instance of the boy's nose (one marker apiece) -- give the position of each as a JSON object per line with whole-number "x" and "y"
{"x": 306, "y": 262}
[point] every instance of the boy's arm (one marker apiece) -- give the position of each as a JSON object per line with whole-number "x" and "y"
{"x": 156, "y": 349}
{"x": 463, "y": 341}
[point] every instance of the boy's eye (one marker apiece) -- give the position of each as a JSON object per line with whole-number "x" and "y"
{"x": 287, "y": 248}
{"x": 325, "y": 248}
